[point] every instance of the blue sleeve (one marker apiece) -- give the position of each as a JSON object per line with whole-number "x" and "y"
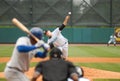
{"x": 23, "y": 48}
{"x": 41, "y": 54}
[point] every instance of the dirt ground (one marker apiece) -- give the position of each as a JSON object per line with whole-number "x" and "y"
{"x": 89, "y": 73}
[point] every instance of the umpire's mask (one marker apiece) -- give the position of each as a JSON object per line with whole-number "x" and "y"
{"x": 55, "y": 53}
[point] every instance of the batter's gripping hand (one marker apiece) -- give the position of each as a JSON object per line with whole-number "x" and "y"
{"x": 39, "y": 43}
{"x": 46, "y": 46}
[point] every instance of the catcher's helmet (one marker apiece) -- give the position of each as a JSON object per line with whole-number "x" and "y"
{"x": 55, "y": 53}
{"x": 38, "y": 32}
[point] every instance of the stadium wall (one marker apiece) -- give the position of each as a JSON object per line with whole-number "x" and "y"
{"x": 74, "y": 35}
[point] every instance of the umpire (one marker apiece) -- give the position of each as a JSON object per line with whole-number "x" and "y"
{"x": 55, "y": 69}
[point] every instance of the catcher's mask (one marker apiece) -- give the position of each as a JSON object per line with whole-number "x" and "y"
{"x": 55, "y": 53}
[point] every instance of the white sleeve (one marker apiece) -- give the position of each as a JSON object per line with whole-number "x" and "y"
{"x": 22, "y": 41}
{"x": 55, "y": 33}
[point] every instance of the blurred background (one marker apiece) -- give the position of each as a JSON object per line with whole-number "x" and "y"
{"x": 92, "y": 21}
{"x": 91, "y": 24}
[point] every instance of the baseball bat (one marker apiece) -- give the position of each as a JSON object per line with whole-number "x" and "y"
{"x": 23, "y": 28}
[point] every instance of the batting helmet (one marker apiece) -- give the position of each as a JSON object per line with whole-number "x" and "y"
{"x": 55, "y": 53}
{"x": 38, "y": 32}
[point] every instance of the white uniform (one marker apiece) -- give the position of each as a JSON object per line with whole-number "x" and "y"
{"x": 19, "y": 62}
{"x": 112, "y": 39}
{"x": 80, "y": 79}
{"x": 59, "y": 41}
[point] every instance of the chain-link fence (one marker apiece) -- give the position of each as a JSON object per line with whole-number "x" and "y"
{"x": 52, "y": 12}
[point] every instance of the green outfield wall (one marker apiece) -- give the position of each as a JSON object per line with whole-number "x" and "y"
{"x": 74, "y": 35}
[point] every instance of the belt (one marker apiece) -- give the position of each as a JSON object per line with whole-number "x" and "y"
{"x": 63, "y": 44}
{"x": 15, "y": 68}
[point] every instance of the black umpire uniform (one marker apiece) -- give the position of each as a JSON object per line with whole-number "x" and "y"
{"x": 55, "y": 69}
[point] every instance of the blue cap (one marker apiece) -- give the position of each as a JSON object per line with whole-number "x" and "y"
{"x": 38, "y": 32}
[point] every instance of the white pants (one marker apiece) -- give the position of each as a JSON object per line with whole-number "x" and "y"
{"x": 14, "y": 75}
{"x": 111, "y": 41}
{"x": 80, "y": 79}
{"x": 64, "y": 50}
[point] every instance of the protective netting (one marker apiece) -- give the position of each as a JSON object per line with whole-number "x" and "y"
{"x": 53, "y": 12}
